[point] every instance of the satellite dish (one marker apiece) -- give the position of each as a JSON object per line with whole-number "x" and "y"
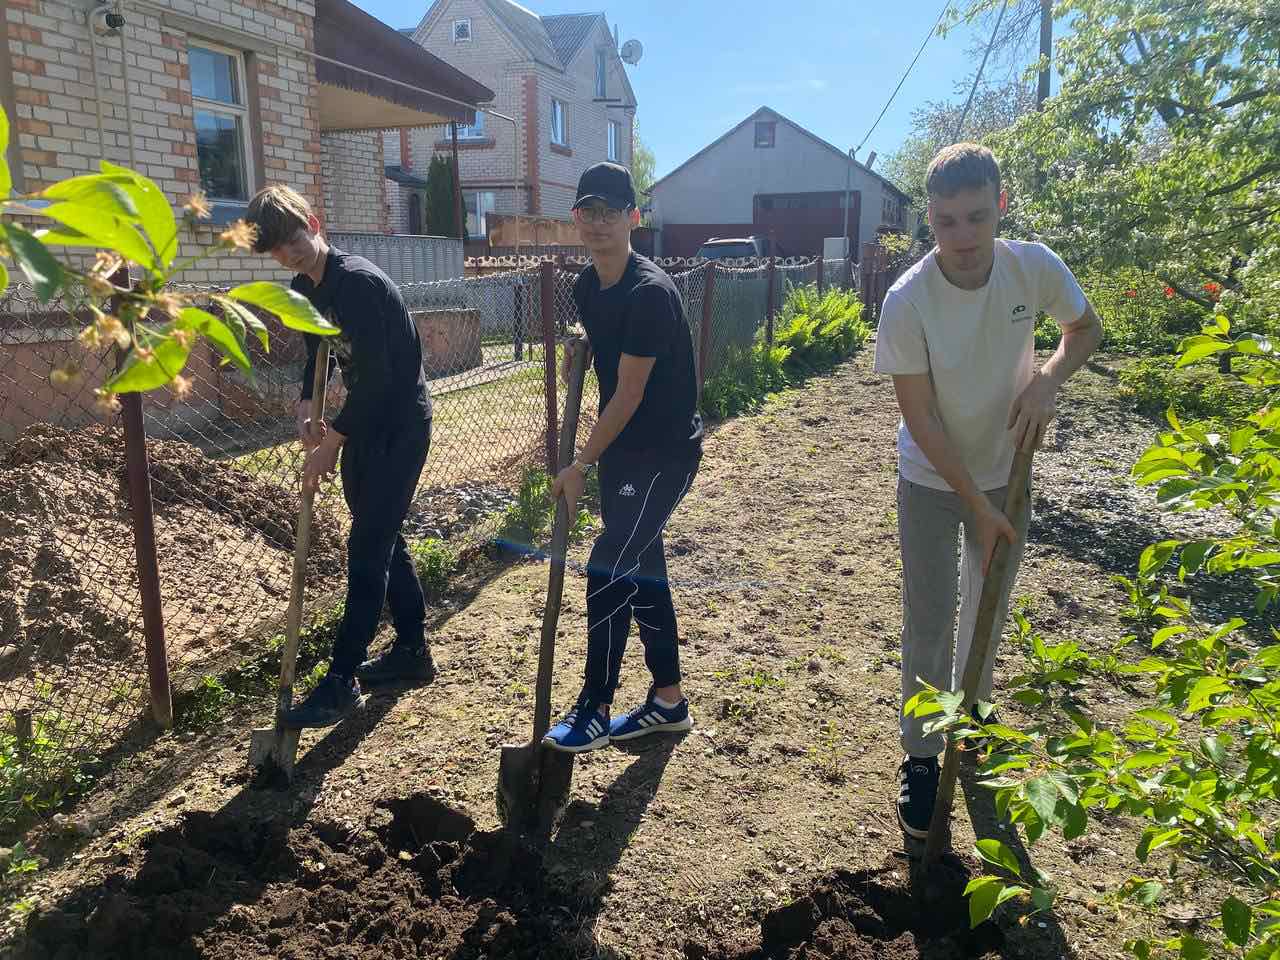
{"x": 632, "y": 51}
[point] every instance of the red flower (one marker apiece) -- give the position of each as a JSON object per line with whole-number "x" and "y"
{"x": 1131, "y": 293}
{"x": 1214, "y": 290}
{"x": 1168, "y": 293}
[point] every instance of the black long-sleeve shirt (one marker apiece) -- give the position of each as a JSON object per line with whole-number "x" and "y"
{"x": 378, "y": 350}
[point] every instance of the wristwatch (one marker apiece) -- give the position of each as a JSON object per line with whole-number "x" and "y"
{"x": 583, "y": 468}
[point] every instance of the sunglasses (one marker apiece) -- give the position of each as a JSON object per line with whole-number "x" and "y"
{"x": 606, "y": 215}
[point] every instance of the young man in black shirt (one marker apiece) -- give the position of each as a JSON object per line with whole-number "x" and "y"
{"x": 383, "y": 432}
{"x": 648, "y": 441}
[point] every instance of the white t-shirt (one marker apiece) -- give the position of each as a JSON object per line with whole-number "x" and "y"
{"x": 978, "y": 346}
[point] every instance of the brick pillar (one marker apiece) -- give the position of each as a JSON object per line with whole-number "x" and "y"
{"x": 406, "y": 155}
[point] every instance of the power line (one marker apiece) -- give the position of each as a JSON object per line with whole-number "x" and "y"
{"x": 934, "y": 29}
{"x": 978, "y": 76}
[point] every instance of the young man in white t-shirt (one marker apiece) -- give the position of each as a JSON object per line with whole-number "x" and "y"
{"x": 957, "y": 333}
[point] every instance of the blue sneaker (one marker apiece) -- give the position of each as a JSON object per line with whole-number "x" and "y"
{"x": 582, "y": 729}
{"x": 651, "y": 717}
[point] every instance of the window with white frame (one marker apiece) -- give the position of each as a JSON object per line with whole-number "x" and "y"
{"x": 602, "y": 71}
{"x": 559, "y": 132}
{"x": 475, "y": 131}
{"x": 479, "y": 204}
{"x": 615, "y": 138}
{"x": 462, "y": 30}
{"x": 221, "y": 120}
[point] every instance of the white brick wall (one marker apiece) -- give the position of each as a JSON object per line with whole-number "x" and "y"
{"x": 355, "y": 195}
{"x": 57, "y": 96}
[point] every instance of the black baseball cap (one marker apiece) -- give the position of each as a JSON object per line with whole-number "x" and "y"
{"x": 609, "y": 183}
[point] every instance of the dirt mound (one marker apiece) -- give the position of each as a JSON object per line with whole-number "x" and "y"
{"x": 418, "y": 880}
{"x": 224, "y": 540}
{"x": 870, "y": 915}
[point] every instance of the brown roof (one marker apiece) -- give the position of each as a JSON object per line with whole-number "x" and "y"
{"x": 346, "y": 33}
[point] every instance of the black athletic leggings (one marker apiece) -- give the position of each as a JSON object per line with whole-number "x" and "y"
{"x": 627, "y": 571}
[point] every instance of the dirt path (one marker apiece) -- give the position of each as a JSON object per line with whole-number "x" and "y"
{"x": 788, "y": 591}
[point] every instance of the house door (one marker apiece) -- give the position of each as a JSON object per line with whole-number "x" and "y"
{"x": 415, "y": 213}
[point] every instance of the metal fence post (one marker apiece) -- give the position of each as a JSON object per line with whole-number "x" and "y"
{"x": 822, "y": 276}
{"x": 548, "y": 283}
{"x": 768, "y": 310}
{"x": 517, "y": 319}
{"x": 704, "y": 329}
{"x": 144, "y": 541}
{"x": 142, "y": 510}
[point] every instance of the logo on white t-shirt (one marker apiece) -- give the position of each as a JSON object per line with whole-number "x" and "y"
{"x": 1019, "y": 312}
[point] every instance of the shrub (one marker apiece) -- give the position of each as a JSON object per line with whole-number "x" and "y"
{"x": 435, "y": 562}
{"x": 1157, "y": 384}
{"x": 811, "y": 333}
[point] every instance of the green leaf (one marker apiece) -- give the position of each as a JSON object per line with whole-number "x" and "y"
{"x": 154, "y": 212}
{"x": 1216, "y": 748}
{"x": 921, "y": 704}
{"x": 1164, "y": 634}
{"x": 1042, "y": 794}
{"x": 1237, "y": 920}
{"x": 4, "y": 271}
{"x": 248, "y": 318}
{"x": 294, "y": 310}
{"x": 96, "y": 228}
{"x": 1268, "y": 656}
{"x": 1042, "y": 898}
{"x": 1156, "y": 556}
{"x": 1193, "y": 948}
{"x": 167, "y": 360}
{"x": 1076, "y": 823}
{"x": 219, "y": 334}
{"x": 42, "y": 271}
{"x": 1199, "y": 351}
{"x": 983, "y": 894}
{"x": 1153, "y": 839}
{"x": 97, "y": 192}
{"x": 998, "y": 855}
{"x": 1146, "y": 758}
{"x": 1066, "y": 786}
{"x": 6, "y": 180}
{"x": 1147, "y": 893}
{"x": 1203, "y": 690}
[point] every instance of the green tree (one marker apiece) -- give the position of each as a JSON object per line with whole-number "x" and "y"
{"x": 1161, "y": 149}
{"x": 937, "y": 124}
{"x": 441, "y": 206}
{"x": 643, "y": 163}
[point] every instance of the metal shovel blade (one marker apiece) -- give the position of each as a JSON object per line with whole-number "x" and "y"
{"x": 533, "y": 788}
{"x": 274, "y": 747}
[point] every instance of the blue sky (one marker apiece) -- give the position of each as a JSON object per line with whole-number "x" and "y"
{"x": 829, "y": 65}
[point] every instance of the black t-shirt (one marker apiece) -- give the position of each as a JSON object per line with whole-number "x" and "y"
{"x": 378, "y": 350}
{"x": 642, "y": 315}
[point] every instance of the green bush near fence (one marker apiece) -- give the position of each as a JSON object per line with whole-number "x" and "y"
{"x": 812, "y": 332}
{"x": 1155, "y": 385}
{"x": 1140, "y": 314}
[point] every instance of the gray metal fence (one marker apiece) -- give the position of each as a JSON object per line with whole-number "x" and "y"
{"x": 406, "y": 258}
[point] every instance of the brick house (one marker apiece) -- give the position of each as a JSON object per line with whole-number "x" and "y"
{"x": 224, "y": 96}
{"x": 559, "y": 77}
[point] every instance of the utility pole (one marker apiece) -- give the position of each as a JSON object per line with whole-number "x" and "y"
{"x": 1046, "y": 51}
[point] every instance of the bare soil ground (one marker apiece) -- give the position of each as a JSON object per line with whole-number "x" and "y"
{"x": 768, "y": 831}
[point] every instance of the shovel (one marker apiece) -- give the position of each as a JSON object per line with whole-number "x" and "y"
{"x": 533, "y": 780}
{"x": 938, "y": 839}
{"x": 277, "y": 746}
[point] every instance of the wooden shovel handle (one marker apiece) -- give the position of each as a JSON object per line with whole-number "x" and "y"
{"x": 1015, "y": 504}
{"x": 559, "y": 545}
{"x": 302, "y": 542}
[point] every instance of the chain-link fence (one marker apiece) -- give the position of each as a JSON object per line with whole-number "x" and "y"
{"x": 224, "y": 465}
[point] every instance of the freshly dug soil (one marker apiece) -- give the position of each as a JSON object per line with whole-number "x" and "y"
{"x": 224, "y": 541}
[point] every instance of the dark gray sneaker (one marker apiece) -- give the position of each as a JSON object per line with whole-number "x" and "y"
{"x": 332, "y": 700}
{"x": 398, "y": 665}
{"x": 917, "y": 793}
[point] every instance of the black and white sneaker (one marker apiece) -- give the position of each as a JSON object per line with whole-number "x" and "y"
{"x": 917, "y": 793}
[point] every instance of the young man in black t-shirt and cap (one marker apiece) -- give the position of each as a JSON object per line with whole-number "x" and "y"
{"x": 383, "y": 432}
{"x": 648, "y": 445}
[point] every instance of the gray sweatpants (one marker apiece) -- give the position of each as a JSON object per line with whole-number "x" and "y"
{"x": 929, "y": 523}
